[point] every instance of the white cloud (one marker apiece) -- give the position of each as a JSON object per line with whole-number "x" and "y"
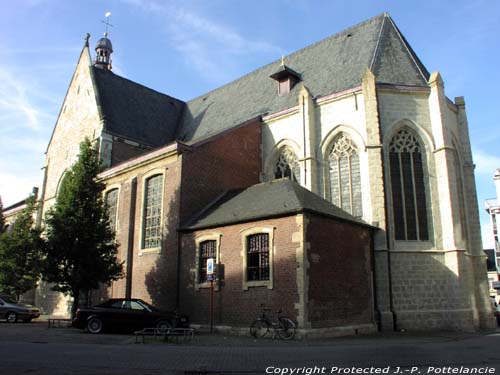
{"x": 213, "y": 49}
{"x": 485, "y": 163}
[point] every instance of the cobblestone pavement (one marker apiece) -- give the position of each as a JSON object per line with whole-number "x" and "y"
{"x": 33, "y": 348}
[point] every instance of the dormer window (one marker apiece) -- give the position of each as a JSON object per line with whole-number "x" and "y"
{"x": 286, "y": 78}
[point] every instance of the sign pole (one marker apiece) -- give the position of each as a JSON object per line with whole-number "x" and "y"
{"x": 211, "y": 304}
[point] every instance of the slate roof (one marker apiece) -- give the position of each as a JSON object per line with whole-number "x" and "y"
{"x": 134, "y": 111}
{"x": 331, "y": 65}
{"x": 271, "y": 199}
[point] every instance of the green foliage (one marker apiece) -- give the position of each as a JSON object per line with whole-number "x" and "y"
{"x": 80, "y": 252}
{"x": 20, "y": 254}
{"x": 2, "y": 218}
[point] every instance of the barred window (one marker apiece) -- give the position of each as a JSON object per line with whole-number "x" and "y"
{"x": 408, "y": 189}
{"x": 258, "y": 257}
{"x": 207, "y": 251}
{"x": 345, "y": 176}
{"x": 287, "y": 165}
{"x": 152, "y": 212}
{"x": 112, "y": 204}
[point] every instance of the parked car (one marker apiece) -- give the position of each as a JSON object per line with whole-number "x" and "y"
{"x": 126, "y": 314}
{"x": 13, "y": 311}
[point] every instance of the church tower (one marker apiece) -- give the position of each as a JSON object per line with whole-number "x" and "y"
{"x": 104, "y": 49}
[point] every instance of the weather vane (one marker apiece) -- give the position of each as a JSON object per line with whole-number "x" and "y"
{"x": 106, "y": 22}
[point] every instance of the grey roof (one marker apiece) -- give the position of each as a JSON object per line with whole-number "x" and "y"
{"x": 331, "y": 65}
{"x": 134, "y": 111}
{"x": 277, "y": 198}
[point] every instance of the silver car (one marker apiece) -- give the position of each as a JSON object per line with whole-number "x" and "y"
{"x": 13, "y": 311}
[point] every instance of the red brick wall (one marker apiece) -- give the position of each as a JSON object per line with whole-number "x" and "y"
{"x": 230, "y": 161}
{"x": 233, "y": 305}
{"x": 339, "y": 257}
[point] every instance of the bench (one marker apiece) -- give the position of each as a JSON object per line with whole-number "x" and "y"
{"x": 59, "y": 322}
{"x": 179, "y": 334}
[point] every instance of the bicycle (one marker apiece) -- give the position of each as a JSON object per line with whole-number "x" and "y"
{"x": 283, "y": 327}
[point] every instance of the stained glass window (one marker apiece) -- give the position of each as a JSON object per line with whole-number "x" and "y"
{"x": 345, "y": 177}
{"x": 287, "y": 165}
{"x": 408, "y": 189}
{"x": 152, "y": 212}
{"x": 112, "y": 203}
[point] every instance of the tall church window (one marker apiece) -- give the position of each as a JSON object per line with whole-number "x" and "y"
{"x": 112, "y": 204}
{"x": 287, "y": 165}
{"x": 152, "y": 212}
{"x": 345, "y": 176}
{"x": 408, "y": 188}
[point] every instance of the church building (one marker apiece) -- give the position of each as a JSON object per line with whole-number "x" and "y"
{"x": 336, "y": 184}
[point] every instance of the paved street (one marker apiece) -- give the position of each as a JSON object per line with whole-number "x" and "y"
{"x": 35, "y": 349}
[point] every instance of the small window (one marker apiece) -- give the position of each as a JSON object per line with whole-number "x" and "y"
{"x": 258, "y": 257}
{"x": 287, "y": 165}
{"x": 208, "y": 250}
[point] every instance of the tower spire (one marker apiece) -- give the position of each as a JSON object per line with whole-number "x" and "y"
{"x": 104, "y": 48}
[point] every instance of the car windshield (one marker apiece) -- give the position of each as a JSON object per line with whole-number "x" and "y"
{"x": 147, "y": 306}
{"x": 8, "y": 300}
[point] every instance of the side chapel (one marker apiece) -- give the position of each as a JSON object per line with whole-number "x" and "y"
{"x": 336, "y": 183}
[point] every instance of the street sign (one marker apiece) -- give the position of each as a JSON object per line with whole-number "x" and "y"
{"x": 210, "y": 277}
{"x": 210, "y": 266}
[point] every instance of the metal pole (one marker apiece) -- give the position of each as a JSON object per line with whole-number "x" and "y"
{"x": 211, "y": 305}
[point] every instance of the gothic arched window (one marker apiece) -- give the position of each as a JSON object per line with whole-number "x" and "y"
{"x": 345, "y": 176}
{"x": 287, "y": 165}
{"x": 408, "y": 189}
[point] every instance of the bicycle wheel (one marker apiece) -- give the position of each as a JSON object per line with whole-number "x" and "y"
{"x": 259, "y": 328}
{"x": 286, "y": 329}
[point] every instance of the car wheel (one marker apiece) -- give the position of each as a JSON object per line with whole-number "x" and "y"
{"x": 164, "y": 325}
{"x": 94, "y": 325}
{"x": 11, "y": 317}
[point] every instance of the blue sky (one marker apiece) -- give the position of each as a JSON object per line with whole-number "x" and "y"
{"x": 186, "y": 48}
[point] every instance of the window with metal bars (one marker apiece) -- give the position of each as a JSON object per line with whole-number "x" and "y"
{"x": 152, "y": 212}
{"x": 258, "y": 257}
{"x": 112, "y": 204}
{"x": 208, "y": 249}
{"x": 409, "y": 203}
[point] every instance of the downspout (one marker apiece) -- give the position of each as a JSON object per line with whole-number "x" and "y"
{"x": 41, "y": 201}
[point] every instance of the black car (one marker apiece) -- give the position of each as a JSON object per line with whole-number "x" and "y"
{"x": 126, "y": 314}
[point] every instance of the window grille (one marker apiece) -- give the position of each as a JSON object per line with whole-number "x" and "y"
{"x": 287, "y": 166}
{"x": 258, "y": 257}
{"x": 112, "y": 203}
{"x": 152, "y": 212}
{"x": 345, "y": 176}
{"x": 408, "y": 188}
{"x": 208, "y": 249}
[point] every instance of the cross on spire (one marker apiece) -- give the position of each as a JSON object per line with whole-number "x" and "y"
{"x": 106, "y": 22}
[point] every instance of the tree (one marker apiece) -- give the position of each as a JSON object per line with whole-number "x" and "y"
{"x": 2, "y": 218}
{"x": 20, "y": 251}
{"x": 81, "y": 251}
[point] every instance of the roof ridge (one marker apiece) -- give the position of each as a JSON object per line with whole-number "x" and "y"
{"x": 333, "y": 36}
{"x": 416, "y": 60}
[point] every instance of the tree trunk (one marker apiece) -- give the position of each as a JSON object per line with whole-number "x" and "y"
{"x": 74, "y": 306}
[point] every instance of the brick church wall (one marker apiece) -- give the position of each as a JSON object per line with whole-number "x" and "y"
{"x": 233, "y": 305}
{"x": 230, "y": 161}
{"x": 340, "y": 278}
